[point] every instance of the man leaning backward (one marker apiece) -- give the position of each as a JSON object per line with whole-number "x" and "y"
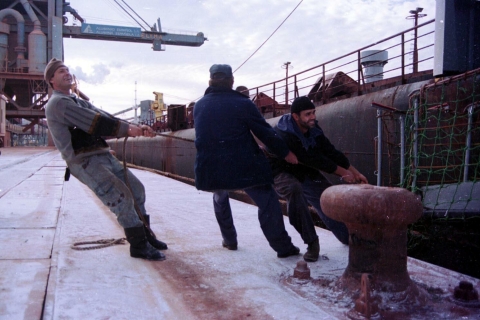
{"x": 77, "y": 128}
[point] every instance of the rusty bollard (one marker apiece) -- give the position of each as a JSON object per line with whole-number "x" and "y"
{"x": 377, "y": 219}
{"x": 301, "y": 271}
{"x": 366, "y": 306}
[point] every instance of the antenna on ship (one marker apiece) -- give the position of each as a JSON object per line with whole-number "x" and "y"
{"x": 285, "y": 66}
{"x": 135, "y": 107}
{"x": 415, "y": 15}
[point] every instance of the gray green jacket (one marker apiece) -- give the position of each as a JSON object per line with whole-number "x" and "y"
{"x": 77, "y": 126}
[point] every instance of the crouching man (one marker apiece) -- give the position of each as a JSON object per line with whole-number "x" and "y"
{"x": 303, "y": 184}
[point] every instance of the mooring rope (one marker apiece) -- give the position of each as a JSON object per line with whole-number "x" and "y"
{"x": 102, "y": 243}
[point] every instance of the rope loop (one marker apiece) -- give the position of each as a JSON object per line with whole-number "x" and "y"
{"x": 102, "y": 243}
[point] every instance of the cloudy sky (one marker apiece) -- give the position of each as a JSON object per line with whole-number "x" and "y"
{"x": 315, "y": 32}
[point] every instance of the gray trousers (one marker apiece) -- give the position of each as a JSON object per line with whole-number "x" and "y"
{"x": 298, "y": 195}
{"x": 105, "y": 176}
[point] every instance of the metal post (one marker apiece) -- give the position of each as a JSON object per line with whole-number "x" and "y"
{"x": 415, "y": 142}
{"x": 274, "y": 111}
{"x": 135, "y": 107}
{"x": 359, "y": 71}
{"x": 402, "y": 149}
{"x": 295, "y": 95}
{"x": 403, "y": 59}
{"x": 286, "y": 64}
{"x": 415, "y": 49}
{"x": 323, "y": 83}
{"x": 379, "y": 147}
{"x": 468, "y": 143}
{"x": 415, "y": 15}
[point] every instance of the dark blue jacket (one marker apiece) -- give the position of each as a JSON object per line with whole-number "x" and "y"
{"x": 228, "y": 157}
{"x": 313, "y": 150}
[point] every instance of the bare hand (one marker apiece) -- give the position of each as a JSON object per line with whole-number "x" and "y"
{"x": 147, "y": 131}
{"x": 359, "y": 178}
{"x": 143, "y": 130}
{"x": 291, "y": 158}
{"x": 348, "y": 177}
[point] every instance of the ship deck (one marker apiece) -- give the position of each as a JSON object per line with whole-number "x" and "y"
{"x": 42, "y": 277}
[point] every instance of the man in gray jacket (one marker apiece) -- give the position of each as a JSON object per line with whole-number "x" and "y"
{"x": 77, "y": 128}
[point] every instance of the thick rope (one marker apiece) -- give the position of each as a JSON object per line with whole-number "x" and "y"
{"x": 103, "y": 243}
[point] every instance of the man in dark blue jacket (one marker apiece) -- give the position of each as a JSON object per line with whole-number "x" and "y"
{"x": 303, "y": 183}
{"x": 229, "y": 158}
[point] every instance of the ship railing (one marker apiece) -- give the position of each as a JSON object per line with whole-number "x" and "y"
{"x": 408, "y": 56}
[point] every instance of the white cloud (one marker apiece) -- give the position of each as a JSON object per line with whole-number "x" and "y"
{"x": 97, "y": 76}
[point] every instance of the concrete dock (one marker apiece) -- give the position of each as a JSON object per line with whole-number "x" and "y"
{"x": 42, "y": 277}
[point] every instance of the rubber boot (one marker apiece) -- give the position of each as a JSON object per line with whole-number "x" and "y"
{"x": 139, "y": 246}
{"x": 293, "y": 251}
{"x": 313, "y": 251}
{"x": 160, "y": 245}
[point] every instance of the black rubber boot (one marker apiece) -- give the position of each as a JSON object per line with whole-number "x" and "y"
{"x": 139, "y": 246}
{"x": 293, "y": 251}
{"x": 160, "y": 245}
{"x": 230, "y": 246}
{"x": 313, "y": 251}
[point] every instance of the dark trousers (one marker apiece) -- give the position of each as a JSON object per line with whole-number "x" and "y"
{"x": 298, "y": 195}
{"x": 269, "y": 215}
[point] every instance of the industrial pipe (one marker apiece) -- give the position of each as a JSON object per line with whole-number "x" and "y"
{"x": 31, "y": 14}
{"x": 37, "y": 43}
{"x": 20, "y": 48}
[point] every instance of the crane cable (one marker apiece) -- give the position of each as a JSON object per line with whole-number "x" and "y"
{"x": 130, "y": 14}
{"x": 136, "y": 13}
{"x": 264, "y": 41}
{"x": 269, "y": 36}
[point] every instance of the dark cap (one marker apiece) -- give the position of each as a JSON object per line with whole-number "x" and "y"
{"x": 220, "y": 71}
{"x": 300, "y": 104}
{"x": 243, "y": 90}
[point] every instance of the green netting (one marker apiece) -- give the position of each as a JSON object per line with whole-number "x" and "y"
{"x": 442, "y": 153}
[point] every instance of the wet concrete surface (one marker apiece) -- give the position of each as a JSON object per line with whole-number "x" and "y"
{"x": 41, "y": 277}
